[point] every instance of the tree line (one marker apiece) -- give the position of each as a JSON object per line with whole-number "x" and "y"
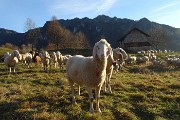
{"x": 56, "y": 35}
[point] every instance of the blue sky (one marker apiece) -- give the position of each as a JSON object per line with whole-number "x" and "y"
{"x": 14, "y": 13}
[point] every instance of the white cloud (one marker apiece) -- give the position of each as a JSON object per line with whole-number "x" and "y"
{"x": 165, "y": 7}
{"x": 106, "y": 5}
{"x": 80, "y": 7}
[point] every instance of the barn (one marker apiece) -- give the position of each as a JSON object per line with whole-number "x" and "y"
{"x": 135, "y": 40}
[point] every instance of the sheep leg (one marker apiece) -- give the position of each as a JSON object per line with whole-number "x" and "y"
{"x": 105, "y": 82}
{"x": 54, "y": 65}
{"x": 79, "y": 92}
{"x": 108, "y": 83}
{"x": 73, "y": 93}
{"x": 14, "y": 70}
{"x": 91, "y": 99}
{"x": 9, "y": 69}
{"x": 98, "y": 88}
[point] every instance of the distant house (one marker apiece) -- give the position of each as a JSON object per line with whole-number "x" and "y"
{"x": 135, "y": 40}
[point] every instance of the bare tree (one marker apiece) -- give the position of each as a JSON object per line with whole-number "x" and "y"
{"x": 29, "y": 25}
{"x": 159, "y": 37}
{"x": 55, "y": 33}
{"x": 32, "y": 33}
{"x": 81, "y": 41}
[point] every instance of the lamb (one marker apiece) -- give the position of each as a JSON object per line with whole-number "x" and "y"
{"x": 89, "y": 71}
{"x": 11, "y": 60}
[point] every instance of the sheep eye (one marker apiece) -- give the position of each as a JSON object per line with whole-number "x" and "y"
{"x": 97, "y": 47}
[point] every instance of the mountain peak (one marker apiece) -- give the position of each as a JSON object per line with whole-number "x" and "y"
{"x": 102, "y": 17}
{"x": 144, "y": 20}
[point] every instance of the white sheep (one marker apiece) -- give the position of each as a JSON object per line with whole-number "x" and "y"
{"x": 54, "y": 59}
{"x": 109, "y": 71}
{"x": 89, "y": 71}
{"x": 61, "y": 60}
{"x": 11, "y": 60}
{"x": 117, "y": 54}
{"x": 131, "y": 59}
{"x": 46, "y": 60}
{"x": 143, "y": 59}
{"x": 6, "y": 54}
{"x": 26, "y": 59}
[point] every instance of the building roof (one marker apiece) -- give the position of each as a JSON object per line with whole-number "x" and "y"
{"x": 134, "y": 29}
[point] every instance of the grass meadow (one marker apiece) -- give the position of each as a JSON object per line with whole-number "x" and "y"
{"x": 139, "y": 92}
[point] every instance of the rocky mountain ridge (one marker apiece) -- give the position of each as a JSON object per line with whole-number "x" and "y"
{"x": 113, "y": 29}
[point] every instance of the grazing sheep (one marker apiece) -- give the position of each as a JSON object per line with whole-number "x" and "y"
{"x": 46, "y": 60}
{"x": 157, "y": 63}
{"x": 131, "y": 59}
{"x": 116, "y": 67}
{"x": 26, "y": 59}
{"x": 109, "y": 71}
{"x": 61, "y": 60}
{"x": 144, "y": 59}
{"x": 6, "y": 54}
{"x": 89, "y": 71}
{"x": 54, "y": 59}
{"x": 117, "y": 54}
{"x": 120, "y": 55}
{"x": 173, "y": 62}
{"x": 11, "y": 60}
{"x": 36, "y": 58}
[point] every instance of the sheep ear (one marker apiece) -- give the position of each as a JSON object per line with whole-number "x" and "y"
{"x": 94, "y": 51}
{"x": 118, "y": 52}
{"x": 13, "y": 53}
{"x": 109, "y": 52}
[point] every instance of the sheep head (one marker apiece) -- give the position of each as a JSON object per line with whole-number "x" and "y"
{"x": 16, "y": 53}
{"x": 46, "y": 54}
{"x": 121, "y": 52}
{"x": 102, "y": 50}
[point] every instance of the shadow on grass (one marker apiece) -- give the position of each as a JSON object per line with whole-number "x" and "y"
{"x": 25, "y": 109}
{"x": 151, "y": 69}
{"x": 142, "y": 112}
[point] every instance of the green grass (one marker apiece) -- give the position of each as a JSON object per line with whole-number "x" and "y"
{"x": 3, "y": 50}
{"x": 139, "y": 92}
{"x": 34, "y": 94}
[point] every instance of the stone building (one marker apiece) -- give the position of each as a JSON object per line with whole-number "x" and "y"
{"x": 135, "y": 40}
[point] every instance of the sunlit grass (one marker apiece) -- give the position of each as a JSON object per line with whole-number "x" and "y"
{"x": 138, "y": 92}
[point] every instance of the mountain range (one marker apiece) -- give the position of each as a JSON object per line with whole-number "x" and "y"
{"x": 113, "y": 29}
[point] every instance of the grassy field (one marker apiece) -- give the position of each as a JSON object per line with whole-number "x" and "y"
{"x": 139, "y": 92}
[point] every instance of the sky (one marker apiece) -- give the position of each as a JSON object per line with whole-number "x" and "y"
{"x": 14, "y": 13}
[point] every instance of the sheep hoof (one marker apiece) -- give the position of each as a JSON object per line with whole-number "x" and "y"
{"x": 74, "y": 101}
{"x": 99, "y": 111}
{"x": 91, "y": 111}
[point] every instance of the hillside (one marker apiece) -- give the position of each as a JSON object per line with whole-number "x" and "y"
{"x": 113, "y": 29}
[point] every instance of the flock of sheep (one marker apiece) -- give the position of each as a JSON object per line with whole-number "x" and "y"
{"x": 27, "y": 59}
{"x": 91, "y": 72}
